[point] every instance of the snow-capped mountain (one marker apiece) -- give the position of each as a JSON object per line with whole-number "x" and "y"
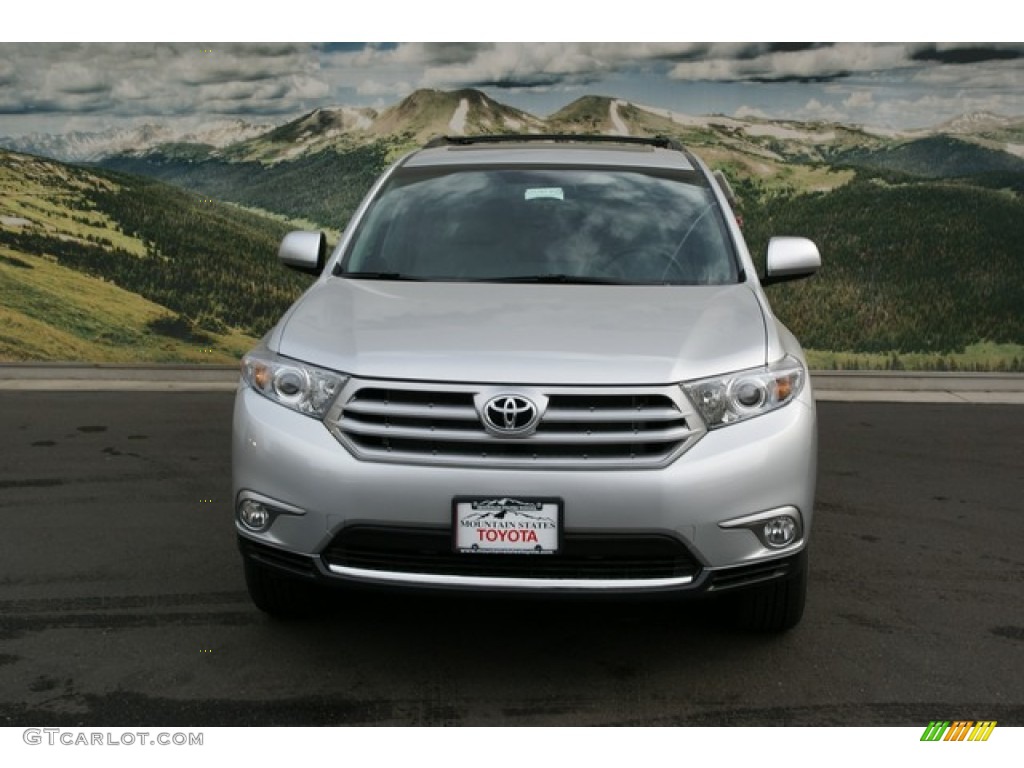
{"x": 421, "y": 115}
{"x": 313, "y": 132}
{"x": 975, "y": 122}
{"x": 427, "y": 113}
{"x": 81, "y": 146}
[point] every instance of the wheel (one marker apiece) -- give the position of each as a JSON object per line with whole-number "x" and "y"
{"x": 775, "y": 606}
{"x": 276, "y": 594}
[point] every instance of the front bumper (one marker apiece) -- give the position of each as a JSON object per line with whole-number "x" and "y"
{"x": 320, "y": 493}
{"x": 313, "y": 568}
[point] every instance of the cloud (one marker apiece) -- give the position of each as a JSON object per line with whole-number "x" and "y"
{"x": 515, "y": 66}
{"x": 512, "y": 83}
{"x": 859, "y": 99}
{"x": 570, "y": 63}
{"x": 817, "y": 110}
{"x": 887, "y": 83}
{"x": 444, "y": 54}
{"x": 73, "y": 79}
{"x": 390, "y": 88}
{"x": 968, "y": 53}
{"x": 748, "y": 112}
{"x": 1002, "y": 75}
{"x": 160, "y": 79}
{"x": 507, "y": 65}
{"x": 242, "y": 64}
{"x": 819, "y": 63}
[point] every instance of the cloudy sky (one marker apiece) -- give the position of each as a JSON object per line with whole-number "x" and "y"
{"x": 58, "y": 87}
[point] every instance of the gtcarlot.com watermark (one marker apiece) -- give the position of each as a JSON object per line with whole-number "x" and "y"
{"x": 54, "y": 737}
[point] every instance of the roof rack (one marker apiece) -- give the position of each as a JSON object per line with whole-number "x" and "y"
{"x": 663, "y": 142}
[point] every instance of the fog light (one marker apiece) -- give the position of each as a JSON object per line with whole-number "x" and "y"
{"x": 780, "y": 531}
{"x": 253, "y": 515}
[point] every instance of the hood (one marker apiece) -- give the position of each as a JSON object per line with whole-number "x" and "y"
{"x": 524, "y": 333}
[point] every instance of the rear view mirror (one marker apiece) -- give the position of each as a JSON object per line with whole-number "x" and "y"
{"x": 304, "y": 251}
{"x": 790, "y": 258}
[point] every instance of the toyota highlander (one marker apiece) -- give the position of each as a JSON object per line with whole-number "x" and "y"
{"x": 533, "y": 364}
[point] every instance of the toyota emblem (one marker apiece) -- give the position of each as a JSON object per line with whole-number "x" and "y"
{"x": 510, "y": 415}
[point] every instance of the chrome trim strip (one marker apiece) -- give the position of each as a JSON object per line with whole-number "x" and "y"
{"x": 758, "y": 517}
{"x": 448, "y": 412}
{"x": 268, "y": 501}
{"x": 591, "y": 437}
{"x": 753, "y": 524}
{"x": 501, "y": 582}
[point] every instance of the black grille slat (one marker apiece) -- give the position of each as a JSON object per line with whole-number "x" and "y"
{"x": 731, "y": 578}
{"x": 415, "y": 397}
{"x": 300, "y": 565}
{"x": 606, "y": 402}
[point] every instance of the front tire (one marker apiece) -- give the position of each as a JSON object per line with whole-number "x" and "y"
{"x": 776, "y": 606}
{"x": 278, "y": 595}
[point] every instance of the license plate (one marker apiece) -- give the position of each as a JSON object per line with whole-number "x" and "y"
{"x": 504, "y": 525}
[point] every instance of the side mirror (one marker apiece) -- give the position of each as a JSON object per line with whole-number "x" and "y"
{"x": 304, "y": 251}
{"x": 790, "y": 258}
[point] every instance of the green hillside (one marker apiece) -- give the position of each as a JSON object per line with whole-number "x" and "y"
{"x": 51, "y": 312}
{"x": 96, "y": 265}
{"x": 324, "y": 187}
{"x": 934, "y": 157}
{"x": 923, "y": 267}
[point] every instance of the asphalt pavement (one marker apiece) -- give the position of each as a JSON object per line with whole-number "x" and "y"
{"x": 122, "y": 600}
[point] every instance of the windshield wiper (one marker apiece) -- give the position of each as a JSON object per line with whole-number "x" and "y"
{"x": 553, "y": 278}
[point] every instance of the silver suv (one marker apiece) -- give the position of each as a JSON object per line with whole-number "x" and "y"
{"x": 541, "y": 364}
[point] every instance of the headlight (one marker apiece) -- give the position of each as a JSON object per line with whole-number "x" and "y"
{"x": 294, "y": 385}
{"x": 728, "y": 399}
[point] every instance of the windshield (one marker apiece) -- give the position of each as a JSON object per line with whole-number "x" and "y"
{"x": 565, "y": 225}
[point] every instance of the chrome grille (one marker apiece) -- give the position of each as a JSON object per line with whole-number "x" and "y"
{"x": 581, "y": 428}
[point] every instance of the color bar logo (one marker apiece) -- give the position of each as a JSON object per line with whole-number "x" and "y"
{"x": 958, "y": 730}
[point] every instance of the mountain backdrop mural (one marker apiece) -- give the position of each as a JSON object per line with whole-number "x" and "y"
{"x": 150, "y": 243}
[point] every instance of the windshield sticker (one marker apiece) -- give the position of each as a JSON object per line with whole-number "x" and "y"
{"x": 554, "y": 193}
